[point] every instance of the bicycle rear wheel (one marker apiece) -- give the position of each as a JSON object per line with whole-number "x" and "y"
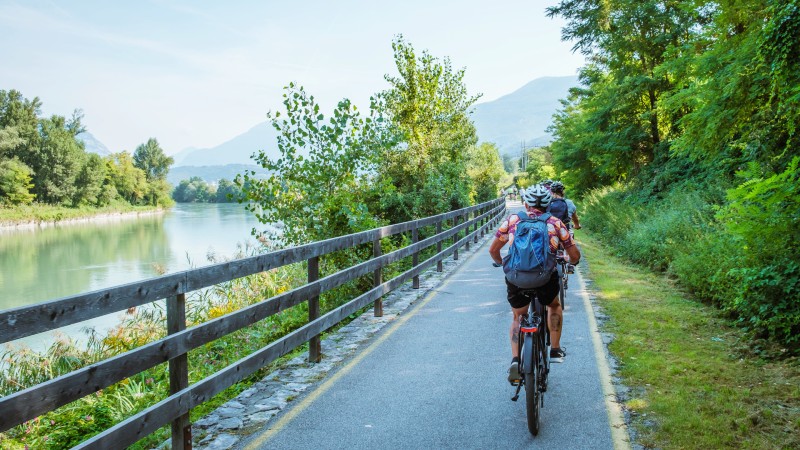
{"x": 531, "y": 377}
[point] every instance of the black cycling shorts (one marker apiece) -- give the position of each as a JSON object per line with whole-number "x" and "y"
{"x": 546, "y": 293}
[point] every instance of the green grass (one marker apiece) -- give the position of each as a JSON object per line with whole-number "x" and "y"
{"x": 696, "y": 381}
{"x": 51, "y": 213}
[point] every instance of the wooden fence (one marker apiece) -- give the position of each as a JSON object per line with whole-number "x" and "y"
{"x": 32, "y": 402}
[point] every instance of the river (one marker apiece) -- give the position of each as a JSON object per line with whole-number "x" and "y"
{"x": 43, "y": 264}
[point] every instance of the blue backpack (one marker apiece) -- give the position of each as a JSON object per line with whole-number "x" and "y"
{"x": 529, "y": 263}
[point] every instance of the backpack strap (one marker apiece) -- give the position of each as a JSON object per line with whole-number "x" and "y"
{"x": 545, "y": 216}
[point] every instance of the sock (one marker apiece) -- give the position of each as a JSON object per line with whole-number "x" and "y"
{"x": 515, "y": 359}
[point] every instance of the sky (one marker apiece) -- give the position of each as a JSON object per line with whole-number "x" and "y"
{"x": 198, "y": 73}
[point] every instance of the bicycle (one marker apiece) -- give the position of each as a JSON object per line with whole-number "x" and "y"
{"x": 534, "y": 358}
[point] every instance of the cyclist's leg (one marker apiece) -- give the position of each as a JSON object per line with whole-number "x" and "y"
{"x": 555, "y": 315}
{"x": 519, "y": 307}
{"x": 514, "y": 331}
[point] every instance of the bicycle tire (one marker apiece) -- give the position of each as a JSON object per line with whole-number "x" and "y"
{"x": 533, "y": 400}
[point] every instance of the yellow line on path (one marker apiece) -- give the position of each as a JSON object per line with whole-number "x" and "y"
{"x": 259, "y": 440}
{"x": 619, "y": 431}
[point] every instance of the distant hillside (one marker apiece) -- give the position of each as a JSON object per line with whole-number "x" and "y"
{"x": 234, "y": 151}
{"x": 522, "y": 115}
{"x": 92, "y": 145}
{"x": 210, "y": 174}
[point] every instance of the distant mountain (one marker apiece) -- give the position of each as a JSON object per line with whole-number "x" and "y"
{"x": 234, "y": 151}
{"x": 522, "y": 115}
{"x": 92, "y": 145}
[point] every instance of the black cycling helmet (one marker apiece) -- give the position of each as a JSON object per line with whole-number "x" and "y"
{"x": 537, "y": 196}
{"x": 557, "y": 187}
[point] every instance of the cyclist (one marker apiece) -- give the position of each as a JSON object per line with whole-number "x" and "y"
{"x": 557, "y": 188}
{"x": 536, "y": 199}
{"x": 564, "y": 209}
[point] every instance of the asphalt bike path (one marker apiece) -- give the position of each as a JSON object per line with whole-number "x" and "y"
{"x": 436, "y": 378}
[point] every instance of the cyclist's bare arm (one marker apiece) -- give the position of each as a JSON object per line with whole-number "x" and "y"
{"x": 576, "y": 221}
{"x": 574, "y": 254}
{"x": 494, "y": 250}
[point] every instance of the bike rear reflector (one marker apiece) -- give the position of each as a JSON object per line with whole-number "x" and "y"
{"x": 529, "y": 329}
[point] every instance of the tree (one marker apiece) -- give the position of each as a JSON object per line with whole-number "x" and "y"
{"x": 194, "y": 190}
{"x": 428, "y": 106}
{"x": 320, "y": 185}
{"x": 485, "y": 169}
{"x": 540, "y": 165}
{"x": 128, "y": 180}
{"x": 151, "y": 159}
{"x": 89, "y": 182}
{"x": 15, "y": 182}
{"x": 22, "y": 116}
{"x": 57, "y": 161}
{"x": 227, "y": 192}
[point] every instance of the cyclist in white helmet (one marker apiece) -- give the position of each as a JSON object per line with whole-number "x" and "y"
{"x": 536, "y": 200}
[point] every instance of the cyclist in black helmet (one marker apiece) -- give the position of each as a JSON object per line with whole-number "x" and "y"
{"x": 562, "y": 207}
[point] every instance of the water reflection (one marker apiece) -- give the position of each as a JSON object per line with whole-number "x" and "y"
{"x": 44, "y": 264}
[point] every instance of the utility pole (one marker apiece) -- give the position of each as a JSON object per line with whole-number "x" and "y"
{"x": 523, "y": 157}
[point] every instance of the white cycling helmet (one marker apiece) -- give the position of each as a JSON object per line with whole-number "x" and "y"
{"x": 537, "y": 196}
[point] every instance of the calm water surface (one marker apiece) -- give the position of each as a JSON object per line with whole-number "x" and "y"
{"x": 45, "y": 264}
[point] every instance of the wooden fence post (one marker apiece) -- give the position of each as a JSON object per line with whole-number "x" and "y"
{"x": 314, "y": 345}
{"x": 415, "y": 257}
{"x": 377, "y": 278}
{"x": 456, "y": 220}
{"x": 439, "y": 267}
{"x": 179, "y": 371}
{"x": 466, "y": 233}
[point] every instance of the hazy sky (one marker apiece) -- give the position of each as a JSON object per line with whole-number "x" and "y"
{"x": 198, "y": 73}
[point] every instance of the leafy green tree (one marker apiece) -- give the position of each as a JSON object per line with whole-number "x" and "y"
{"x": 320, "y": 184}
{"x": 227, "y": 192}
{"x": 540, "y": 164}
{"x": 57, "y": 161}
{"x": 23, "y": 116}
{"x": 485, "y": 169}
{"x": 128, "y": 180}
{"x": 9, "y": 140}
{"x": 194, "y": 190}
{"x": 150, "y": 157}
{"x": 428, "y": 106}
{"x": 15, "y": 182}
{"x": 89, "y": 182}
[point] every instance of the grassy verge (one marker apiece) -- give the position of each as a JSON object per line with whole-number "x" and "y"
{"x": 696, "y": 381}
{"x": 51, "y": 213}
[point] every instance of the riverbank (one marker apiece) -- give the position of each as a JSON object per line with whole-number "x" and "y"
{"x": 42, "y": 216}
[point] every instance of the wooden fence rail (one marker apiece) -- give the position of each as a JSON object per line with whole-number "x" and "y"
{"x": 16, "y": 323}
